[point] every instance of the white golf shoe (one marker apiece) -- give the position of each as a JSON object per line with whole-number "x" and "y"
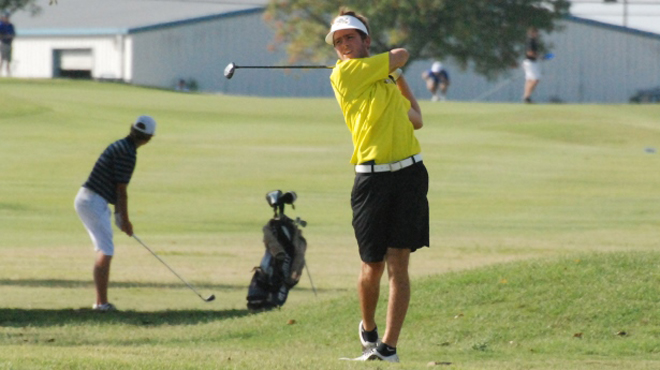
{"x": 367, "y": 345}
{"x": 104, "y": 307}
{"x": 374, "y": 355}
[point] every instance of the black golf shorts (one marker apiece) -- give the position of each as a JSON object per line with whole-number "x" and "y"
{"x": 390, "y": 210}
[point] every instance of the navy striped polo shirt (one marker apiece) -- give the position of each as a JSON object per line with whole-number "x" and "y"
{"x": 114, "y": 166}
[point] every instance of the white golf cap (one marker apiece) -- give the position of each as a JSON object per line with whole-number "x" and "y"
{"x": 345, "y": 22}
{"x": 436, "y": 67}
{"x": 145, "y": 124}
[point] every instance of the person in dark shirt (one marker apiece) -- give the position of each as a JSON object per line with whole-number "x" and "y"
{"x": 531, "y": 64}
{"x": 7, "y": 34}
{"x": 107, "y": 185}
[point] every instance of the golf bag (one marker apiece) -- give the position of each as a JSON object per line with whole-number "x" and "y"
{"x": 283, "y": 260}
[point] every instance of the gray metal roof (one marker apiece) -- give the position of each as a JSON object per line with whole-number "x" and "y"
{"x": 614, "y": 27}
{"x": 106, "y": 17}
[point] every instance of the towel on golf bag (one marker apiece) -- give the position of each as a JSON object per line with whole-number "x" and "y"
{"x": 281, "y": 265}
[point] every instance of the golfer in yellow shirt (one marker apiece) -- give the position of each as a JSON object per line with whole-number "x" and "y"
{"x": 390, "y": 209}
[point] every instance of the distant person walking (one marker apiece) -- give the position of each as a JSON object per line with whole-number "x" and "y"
{"x": 437, "y": 81}
{"x": 7, "y": 34}
{"x": 390, "y": 208}
{"x": 107, "y": 184}
{"x": 531, "y": 64}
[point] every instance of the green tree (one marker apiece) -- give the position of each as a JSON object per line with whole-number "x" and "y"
{"x": 489, "y": 35}
{"x": 28, "y": 5}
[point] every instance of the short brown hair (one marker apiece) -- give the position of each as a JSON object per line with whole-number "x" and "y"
{"x": 360, "y": 17}
{"x": 138, "y": 135}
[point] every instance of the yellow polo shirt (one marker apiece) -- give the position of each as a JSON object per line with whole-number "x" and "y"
{"x": 375, "y": 111}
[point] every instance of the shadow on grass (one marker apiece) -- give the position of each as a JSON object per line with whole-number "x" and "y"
{"x": 18, "y": 317}
{"x": 89, "y": 284}
{"x": 62, "y": 283}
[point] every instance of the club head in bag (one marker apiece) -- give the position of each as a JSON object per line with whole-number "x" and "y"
{"x": 273, "y": 198}
{"x": 289, "y": 197}
{"x": 229, "y": 70}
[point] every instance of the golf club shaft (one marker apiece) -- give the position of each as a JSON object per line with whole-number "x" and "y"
{"x": 166, "y": 265}
{"x": 310, "y": 280}
{"x": 285, "y": 67}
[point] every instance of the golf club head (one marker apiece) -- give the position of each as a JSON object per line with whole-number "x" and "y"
{"x": 289, "y": 197}
{"x": 273, "y": 198}
{"x": 210, "y": 298}
{"x": 229, "y": 70}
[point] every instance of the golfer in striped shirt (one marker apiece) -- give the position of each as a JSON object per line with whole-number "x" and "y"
{"x": 107, "y": 185}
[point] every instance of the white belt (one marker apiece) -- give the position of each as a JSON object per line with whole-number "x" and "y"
{"x": 388, "y": 167}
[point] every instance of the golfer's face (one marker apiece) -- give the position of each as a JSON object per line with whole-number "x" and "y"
{"x": 349, "y": 44}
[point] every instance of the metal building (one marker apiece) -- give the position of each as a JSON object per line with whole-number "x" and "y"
{"x": 157, "y": 43}
{"x": 153, "y": 43}
{"x": 593, "y": 62}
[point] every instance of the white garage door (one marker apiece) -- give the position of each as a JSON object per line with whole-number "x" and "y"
{"x": 77, "y": 59}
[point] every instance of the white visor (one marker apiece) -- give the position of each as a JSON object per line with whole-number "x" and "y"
{"x": 345, "y": 22}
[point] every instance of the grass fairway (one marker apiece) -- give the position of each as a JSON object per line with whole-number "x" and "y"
{"x": 544, "y": 223}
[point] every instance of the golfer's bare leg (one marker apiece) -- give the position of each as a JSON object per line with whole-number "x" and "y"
{"x": 431, "y": 86}
{"x": 530, "y": 85}
{"x": 443, "y": 89}
{"x": 369, "y": 291}
{"x": 397, "y": 306}
{"x": 101, "y": 277}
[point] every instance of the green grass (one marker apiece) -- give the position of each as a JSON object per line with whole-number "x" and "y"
{"x": 544, "y": 225}
{"x": 593, "y": 312}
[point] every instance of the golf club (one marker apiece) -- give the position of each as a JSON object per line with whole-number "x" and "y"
{"x": 310, "y": 280}
{"x": 232, "y": 67}
{"x": 209, "y": 299}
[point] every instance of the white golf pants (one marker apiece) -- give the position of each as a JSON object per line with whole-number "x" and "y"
{"x": 95, "y": 214}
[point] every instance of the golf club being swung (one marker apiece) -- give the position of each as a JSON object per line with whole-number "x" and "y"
{"x": 232, "y": 67}
{"x": 209, "y": 299}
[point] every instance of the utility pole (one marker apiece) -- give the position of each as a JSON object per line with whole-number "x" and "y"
{"x": 625, "y": 10}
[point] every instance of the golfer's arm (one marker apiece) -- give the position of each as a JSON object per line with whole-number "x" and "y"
{"x": 398, "y": 58}
{"x": 122, "y": 203}
{"x": 415, "y": 113}
{"x": 531, "y": 53}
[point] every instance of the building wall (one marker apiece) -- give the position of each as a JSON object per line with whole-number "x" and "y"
{"x": 593, "y": 63}
{"x": 200, "y": 51}
{"x": 596, "y": 63}
{"x": 33, "y": 55}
